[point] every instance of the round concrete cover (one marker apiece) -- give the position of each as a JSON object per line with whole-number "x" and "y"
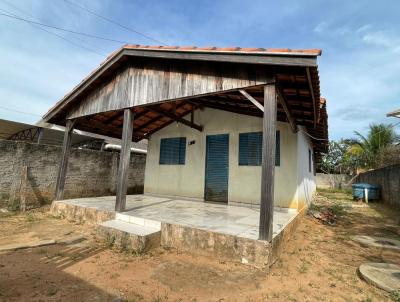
{"x": 381, "y": 242}
{"x": 383, "y": 275}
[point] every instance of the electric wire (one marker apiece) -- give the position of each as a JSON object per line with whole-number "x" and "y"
{"x": 64, "y": 29}
{"x": 324, "y": 139}
{"x": 114, "y": 22}
{"x": 50, "y": 32}
{"x": 18, "y": 111}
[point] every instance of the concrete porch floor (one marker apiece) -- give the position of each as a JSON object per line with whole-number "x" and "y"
{"x": 233, "y": 220}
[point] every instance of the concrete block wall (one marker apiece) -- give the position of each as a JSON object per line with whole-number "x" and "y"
{"x": 90, "y": 173}
{"x": 389, "y": 180}
{"x": 333, "y": 181}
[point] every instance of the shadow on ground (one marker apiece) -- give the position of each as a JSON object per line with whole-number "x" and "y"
{"x": 39, "y": 274}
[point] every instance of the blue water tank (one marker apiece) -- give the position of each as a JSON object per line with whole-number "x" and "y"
{"x": 359, "y": 191}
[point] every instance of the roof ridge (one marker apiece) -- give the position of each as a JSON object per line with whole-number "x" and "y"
{"x": 311, "y": 51}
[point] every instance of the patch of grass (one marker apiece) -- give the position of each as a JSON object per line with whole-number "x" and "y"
{"x": 343, "y": 191}
{"x": 110, "y": 241}
{"x": 395, "y": 295}
{"x": 135, "y": 298}
{"x": 75, "y": 257}
{"x": 114, "y": 276}
{"x": 30, "y": 217}
{"x": 338, "y": 210}
{"x": 305, "y": 265}
{"x": 51, "y": 291}
{"x": 160, "y": 298}
{"x": 59, "y": 254}
{"x": 335, "y": 274}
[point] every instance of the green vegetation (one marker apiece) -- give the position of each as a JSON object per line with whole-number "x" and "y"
{"x": 110, "y": 240}
{"x": 395, "y": 295}
{"x": 377, "y": 149}
{"x": 30, "y": 217}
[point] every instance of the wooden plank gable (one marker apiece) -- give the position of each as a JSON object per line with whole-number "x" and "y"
{"x": 144, "y": 82}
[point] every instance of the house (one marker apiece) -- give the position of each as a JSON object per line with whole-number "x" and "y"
{"x": 233, "y": 126}
{"x": 222, "y": 163}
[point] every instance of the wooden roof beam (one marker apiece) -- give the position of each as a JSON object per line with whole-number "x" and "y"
{"x": 251, "y": 99}
{"x": 148, "y": 123}
{"x": 233, "y": 109}
{"x": 154, "y": 119}
{"x": 92, "y": 124}
{"x": 285, "y": 107}
{"x": 312, "y": 96}
{"x": 111, "y": 119}
{"x": 177, "y": 118}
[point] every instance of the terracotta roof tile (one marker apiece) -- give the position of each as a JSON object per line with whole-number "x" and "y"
{"x": 316, "y": 52}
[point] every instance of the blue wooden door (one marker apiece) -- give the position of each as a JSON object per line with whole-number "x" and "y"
{"x": 217, "y": 163}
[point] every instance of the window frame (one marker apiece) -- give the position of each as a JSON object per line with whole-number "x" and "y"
{"x": 178, "y": 156}
{"x": 258, "y": 160}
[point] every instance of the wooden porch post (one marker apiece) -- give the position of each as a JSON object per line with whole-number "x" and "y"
{"x": 268, "y": 163}
{"x": 124, "y": 159}
{"x": 62, "y": 168}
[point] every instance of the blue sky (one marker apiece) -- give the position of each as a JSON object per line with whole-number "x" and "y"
{"x": 359, "y": 67}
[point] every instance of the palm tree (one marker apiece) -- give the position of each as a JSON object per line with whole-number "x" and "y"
{"x": 367, "y": 148}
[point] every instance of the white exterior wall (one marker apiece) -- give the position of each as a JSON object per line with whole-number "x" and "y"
{"x": 244, "y": 181}
{"x": 306, "y": 179}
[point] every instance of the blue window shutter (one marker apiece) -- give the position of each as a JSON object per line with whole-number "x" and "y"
{"x": 250, "y": 149}
{"x": 278, "y": 149}
{"x": 173, "y": 151}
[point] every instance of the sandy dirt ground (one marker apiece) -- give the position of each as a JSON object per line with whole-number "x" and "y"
{"x": 320, "y": 264}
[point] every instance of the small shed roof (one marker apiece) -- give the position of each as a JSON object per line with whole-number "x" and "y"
{"x": 54, "y": 135}
{"x": 394, "y": 113}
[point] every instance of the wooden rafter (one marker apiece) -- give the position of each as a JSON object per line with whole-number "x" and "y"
{"x": 177, "y": 118}
{"x": 251, "y": 99}
{"x": 154, "y": 119}
{"x": 283, "y": 102}
{"x": 111, "y": 119}
{"x": 92, "y": 124}
{"x": 217, "y": 105}
{"x": 312, "y": 96}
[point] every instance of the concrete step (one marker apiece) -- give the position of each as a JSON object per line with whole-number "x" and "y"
{"x": 129, "y": 236}
{"x": 138, "y": 220}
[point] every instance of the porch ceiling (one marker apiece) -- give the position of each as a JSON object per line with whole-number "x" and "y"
{"x": 151, "y": 118}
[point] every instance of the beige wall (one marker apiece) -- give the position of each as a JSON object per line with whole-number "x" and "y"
{"x": 244, "y": 181}
{"x": 306, "y": 179}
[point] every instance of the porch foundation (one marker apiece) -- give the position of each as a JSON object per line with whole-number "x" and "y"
{"x": 199, "y": 235}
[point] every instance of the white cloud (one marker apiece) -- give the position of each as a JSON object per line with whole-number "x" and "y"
{"x": 321, "y": 27}
{"x": 364, "y": 28}
{"x": 382, "y": 39}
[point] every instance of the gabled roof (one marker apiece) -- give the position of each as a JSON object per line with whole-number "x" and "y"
{"x": 296, "y": 73}
{"x": 267, "y": 56}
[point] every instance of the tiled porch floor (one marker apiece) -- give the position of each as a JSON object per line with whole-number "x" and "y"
{"x": 233, "y": 220}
